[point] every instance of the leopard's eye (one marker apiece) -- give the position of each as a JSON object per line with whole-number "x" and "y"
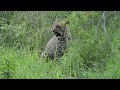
{"x": 58, "y": 26}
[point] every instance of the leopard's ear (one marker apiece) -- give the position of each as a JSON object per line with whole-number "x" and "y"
{"x": 56, "y": 22}
{"x": 67, "y": 22}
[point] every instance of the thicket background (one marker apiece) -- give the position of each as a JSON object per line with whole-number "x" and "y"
{"x": 94, "y": 50}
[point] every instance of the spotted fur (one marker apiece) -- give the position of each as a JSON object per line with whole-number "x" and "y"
{"x": 58, "y": 44}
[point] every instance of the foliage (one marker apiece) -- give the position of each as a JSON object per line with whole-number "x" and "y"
{"x": 92, "y": 53}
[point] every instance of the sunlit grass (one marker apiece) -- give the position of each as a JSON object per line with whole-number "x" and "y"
{"x": 28, "y": 65}
{"x": 90, "y": 56}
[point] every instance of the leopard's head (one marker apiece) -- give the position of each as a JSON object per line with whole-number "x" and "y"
{"x": 59, "y": 28}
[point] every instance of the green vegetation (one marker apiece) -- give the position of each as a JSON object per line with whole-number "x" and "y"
{"x": 94, "y": 51}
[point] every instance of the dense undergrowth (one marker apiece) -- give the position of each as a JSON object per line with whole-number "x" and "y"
{"x": 93, "y": 53}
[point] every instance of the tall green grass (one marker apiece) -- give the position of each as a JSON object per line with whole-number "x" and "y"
{"x": 20, "y": 64}
{"x": 91, "y": 55}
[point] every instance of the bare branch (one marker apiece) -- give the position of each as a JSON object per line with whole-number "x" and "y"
{"x": 104, "y": 21}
